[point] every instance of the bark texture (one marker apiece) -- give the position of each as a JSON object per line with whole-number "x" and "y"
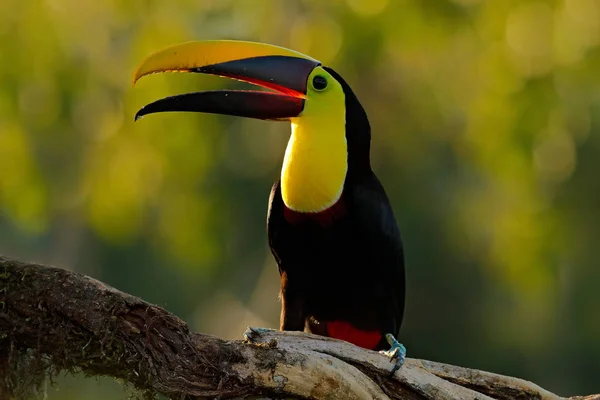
{"x": 53, "y": 320}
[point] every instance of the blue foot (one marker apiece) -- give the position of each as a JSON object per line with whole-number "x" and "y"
{"x": 251, "y": 333}
{"x": 397, "y": 350}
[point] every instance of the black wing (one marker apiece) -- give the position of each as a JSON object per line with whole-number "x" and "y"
{"x": 374, "y": 214}
{"x": 293, "y": 310}
{"x": 275, "y": 222}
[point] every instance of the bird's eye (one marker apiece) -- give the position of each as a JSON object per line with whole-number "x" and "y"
{"x": 319, "y": 82}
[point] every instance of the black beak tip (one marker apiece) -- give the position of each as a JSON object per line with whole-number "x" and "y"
{"x": 138, "y": 115}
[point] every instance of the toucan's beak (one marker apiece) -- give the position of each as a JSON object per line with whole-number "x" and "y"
{"x": 284, "y": 71}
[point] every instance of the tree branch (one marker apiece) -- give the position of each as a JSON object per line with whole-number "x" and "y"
{"x": 52, "y": 319}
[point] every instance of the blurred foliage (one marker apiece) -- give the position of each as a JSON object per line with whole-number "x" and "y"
{"x": 486, "y": 122}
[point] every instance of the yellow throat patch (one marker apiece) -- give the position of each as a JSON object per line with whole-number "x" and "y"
{"x": 316, "y": 158}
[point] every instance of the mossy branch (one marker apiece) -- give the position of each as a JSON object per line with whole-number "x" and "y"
{"x": 53, "y": 320}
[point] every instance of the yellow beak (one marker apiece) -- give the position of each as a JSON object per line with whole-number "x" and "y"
{"x": 189, "y": 56}
{"x": 283, "y": 70}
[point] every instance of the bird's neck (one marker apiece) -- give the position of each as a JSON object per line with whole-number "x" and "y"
{"x": 315, "y": 164}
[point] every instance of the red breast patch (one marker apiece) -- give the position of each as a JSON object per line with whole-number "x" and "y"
{"x": 324, "y": 218}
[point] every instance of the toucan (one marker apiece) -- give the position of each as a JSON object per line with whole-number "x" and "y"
{"x": 330, "y": 225}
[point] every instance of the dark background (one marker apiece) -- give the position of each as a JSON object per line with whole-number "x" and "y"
{"x": 486, "y": 122}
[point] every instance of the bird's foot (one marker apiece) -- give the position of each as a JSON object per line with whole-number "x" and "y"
{"x": 252, "y": 334}
{"x": 397, "y": 351}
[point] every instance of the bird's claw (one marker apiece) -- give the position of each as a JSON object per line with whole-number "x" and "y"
{"x": 252, "y": 333}
{"x": 396, "y": 351}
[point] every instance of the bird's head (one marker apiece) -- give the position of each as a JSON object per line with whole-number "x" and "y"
{"x": 330, "y": 129}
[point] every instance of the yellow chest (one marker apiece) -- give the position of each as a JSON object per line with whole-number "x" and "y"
{"x": 314, "y": 167}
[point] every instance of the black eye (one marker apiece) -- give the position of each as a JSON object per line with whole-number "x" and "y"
{"x": 319, "y": 82}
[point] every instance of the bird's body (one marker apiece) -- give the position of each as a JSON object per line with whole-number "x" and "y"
{"x": 342, "y": 268}
{"x": 340, "y": 253}
{"x": 330, "y": 225}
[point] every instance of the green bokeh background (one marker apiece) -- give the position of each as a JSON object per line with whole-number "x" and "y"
{"x": 486, "y": 135}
